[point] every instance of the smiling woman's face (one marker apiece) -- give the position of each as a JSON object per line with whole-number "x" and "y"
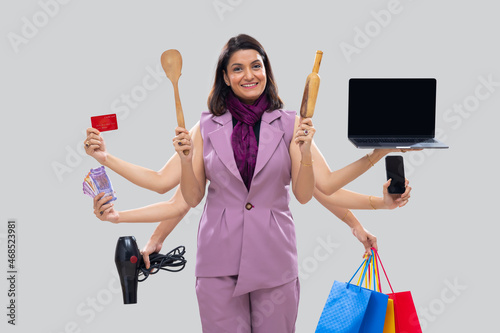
{"x": 246, "y": 75}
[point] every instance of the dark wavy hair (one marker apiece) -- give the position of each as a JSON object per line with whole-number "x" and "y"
{"x": 217, "y": 97}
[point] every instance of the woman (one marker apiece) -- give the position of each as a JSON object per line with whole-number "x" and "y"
{"x": 246, "y": 242}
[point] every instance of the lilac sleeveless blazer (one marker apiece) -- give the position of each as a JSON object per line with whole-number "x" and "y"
{"x": 249, "y": 233}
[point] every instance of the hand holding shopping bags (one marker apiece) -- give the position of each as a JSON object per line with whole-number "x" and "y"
{"x": 351, "y": 308}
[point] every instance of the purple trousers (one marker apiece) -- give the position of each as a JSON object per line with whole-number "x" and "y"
{"x": 260, "y": 311}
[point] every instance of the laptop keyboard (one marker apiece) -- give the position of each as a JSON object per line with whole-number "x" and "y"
{"x": 389, "y": 140}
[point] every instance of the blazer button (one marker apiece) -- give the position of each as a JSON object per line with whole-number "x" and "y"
{"x": 248, "y": 206}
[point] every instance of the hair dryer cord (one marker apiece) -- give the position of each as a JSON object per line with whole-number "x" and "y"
{"x": 173, "y": 262}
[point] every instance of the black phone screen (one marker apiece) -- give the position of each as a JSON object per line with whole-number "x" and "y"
{"x": 395, "y": 170}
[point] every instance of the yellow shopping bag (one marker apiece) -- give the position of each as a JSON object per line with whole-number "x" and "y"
{"x": 389, "y": 325}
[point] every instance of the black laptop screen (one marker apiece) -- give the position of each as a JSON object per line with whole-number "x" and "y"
{"x": 392, "y": 107}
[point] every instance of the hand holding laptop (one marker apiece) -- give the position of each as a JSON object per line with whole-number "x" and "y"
{"x": 386, "y": 151}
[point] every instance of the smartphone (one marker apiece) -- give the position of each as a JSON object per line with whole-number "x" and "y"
{"x": 394, "y": 167}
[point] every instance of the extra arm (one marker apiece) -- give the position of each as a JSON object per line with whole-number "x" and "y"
{"x": 328, "y": 181}
{"x": 174, "y": 210}
{"x": 160, "y": 181}
{"x": 345, "y": 215}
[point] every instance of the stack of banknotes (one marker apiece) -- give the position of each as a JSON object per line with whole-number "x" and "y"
{"x": 97, "y": 181}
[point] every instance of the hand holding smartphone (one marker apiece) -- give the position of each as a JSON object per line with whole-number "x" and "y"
{"x": 394, "y": 167}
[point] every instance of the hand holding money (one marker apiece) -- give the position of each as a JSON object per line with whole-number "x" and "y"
{"x": 103, "y": 208}
{"x": 98, "y": 186}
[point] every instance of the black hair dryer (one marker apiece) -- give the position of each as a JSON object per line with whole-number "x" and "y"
{"x": 128, "y": 259}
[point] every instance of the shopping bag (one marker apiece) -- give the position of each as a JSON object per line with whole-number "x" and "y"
{"x": 374, "y": 319}
{"x": 405, "y": 314}
{"x": 389, "y": 325}
{"x": 345, "y": 307}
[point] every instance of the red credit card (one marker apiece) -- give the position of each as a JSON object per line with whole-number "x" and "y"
{"x": 104, "y": 123}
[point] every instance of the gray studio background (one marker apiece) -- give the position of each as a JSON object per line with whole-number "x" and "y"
{"x": 83, "y": 58}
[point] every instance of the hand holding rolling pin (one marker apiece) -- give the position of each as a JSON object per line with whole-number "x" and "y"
{"x": 306, "y": 130}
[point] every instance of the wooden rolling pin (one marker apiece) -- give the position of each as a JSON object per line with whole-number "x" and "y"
{"x": 311, "y": 89}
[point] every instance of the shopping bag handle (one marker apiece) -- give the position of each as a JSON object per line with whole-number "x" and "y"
{"x": 379, "y": 260}
{"x": 365, "y": 268}
{"x": 361, "y": 279}
{"x": 377, "y": 271}
{"x": 376, "y": 280}
{"x": 372, "y": 273}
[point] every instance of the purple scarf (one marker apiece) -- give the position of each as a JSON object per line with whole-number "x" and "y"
{"x": 243, "y": 139}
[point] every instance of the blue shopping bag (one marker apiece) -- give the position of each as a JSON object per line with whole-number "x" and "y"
{"x": 345, "y": 307}
{"x": 374, "y": 319}
{"x": 351, "y": 308}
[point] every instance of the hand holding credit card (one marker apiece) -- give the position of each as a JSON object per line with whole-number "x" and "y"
{"x": 104, "y": 123}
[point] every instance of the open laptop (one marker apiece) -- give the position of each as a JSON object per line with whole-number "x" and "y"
{"x": 392, "y": 113}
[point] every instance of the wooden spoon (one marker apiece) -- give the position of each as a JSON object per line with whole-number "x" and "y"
{"x": 171, "y": 61}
